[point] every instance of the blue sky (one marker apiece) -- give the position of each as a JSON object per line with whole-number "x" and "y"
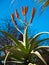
{"x": 39, "y": 24}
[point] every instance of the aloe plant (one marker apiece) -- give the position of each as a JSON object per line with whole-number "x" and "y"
{"x": 24, "y": 52}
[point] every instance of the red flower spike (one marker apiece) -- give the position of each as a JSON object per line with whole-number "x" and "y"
{"x": 17, "y": 15}
{"x": 12, "y": 16}
{"x": 33, "y": 13}
{"x": 24, "y": 10}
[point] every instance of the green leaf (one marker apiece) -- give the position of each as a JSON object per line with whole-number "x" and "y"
{"x": 17, "y": 58}
{"x": 33, "y": 41}
{"x": 39, "y": 56}
{"x": 16, "y": 62}
{"x": 19, "y": 44}
{"x": 6, "y": 58}
{"x": 37, "y": 35}
{"x": 40, "y": 41}
{"x": 33, "y": 46}
{"x": 42, "y": 47}
{"x": 6, "y": 47}
{"x": 25, "y": 37}
{"x": 46, "y": 39}
{"x": 16, "y": 53}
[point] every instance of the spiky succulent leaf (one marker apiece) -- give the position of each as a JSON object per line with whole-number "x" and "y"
{"x": 6, "y": 47}
{"x": 17, "y": 52}
{"x": 19, "y": 44}
{"x": 34, "y": 39}
{"x": 6, "y": 58}
{"x": 37, "y": 35}
{"x": 25, "y": 38}
{"x": 19, "y": 62}
{"x": 39, "y": 56}
{"x": 46, "y": 39}
{"x": 42, "y": 47}
{"x": 40, "y": 41}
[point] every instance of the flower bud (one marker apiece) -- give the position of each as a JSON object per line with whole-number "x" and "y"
{"x": 33, "y": 12}
{"x": 17, "y": 14}
{"x": 12, "y": 16}
{"x": 24, "y": 10}
{"x": 32, "y": 16}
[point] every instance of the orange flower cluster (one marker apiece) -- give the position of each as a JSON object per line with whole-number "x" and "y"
{"x": 24, "y": 12}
